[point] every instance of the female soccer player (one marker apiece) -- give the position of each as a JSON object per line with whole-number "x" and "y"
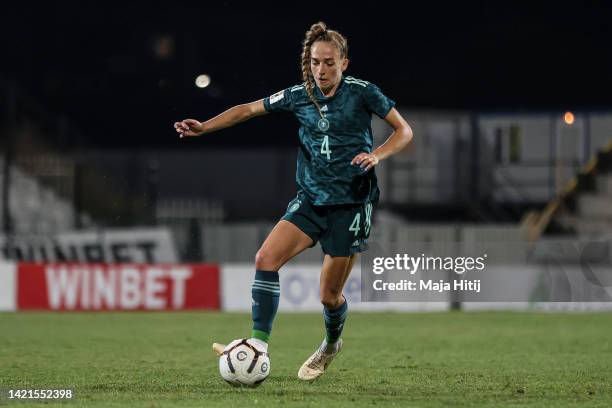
{"x": 335, "y": 177}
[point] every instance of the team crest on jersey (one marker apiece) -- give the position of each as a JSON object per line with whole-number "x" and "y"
{"x": 323, "y": 124}
{"x": 277, "y": 96}
{"x": 294, "y": 207}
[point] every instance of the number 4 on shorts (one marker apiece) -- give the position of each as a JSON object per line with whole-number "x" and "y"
{"x": 368, "y": 220}
{"x": 355, "y": 224}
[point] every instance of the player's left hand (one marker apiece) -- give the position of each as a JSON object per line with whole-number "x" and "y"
{"x": 365, "y": 160}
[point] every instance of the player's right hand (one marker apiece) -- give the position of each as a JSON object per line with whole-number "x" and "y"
{"x": 189, "y": 127}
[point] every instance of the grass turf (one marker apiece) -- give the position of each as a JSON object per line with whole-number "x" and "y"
{"x": 390, "y": 359}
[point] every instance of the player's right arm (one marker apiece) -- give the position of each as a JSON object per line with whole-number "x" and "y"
{"x": 231, "y": 117}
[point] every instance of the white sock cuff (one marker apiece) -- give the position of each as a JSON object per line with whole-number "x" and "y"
{"x": 259, "y": 343}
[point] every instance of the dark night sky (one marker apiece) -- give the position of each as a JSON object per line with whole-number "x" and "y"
{"x": 94, "y": 62}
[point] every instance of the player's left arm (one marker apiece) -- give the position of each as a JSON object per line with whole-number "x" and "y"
{"x": 401, "y": 136}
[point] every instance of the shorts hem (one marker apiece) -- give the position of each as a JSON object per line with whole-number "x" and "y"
{"x": 363, "y": 247}
{"x": 351, "y": 251}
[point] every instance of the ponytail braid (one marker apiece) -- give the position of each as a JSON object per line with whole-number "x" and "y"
{"x": 319, "y": 32}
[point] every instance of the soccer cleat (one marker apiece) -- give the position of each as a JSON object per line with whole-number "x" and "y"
{"x": 317, "y": 363}
{"x": 218, "y": 348}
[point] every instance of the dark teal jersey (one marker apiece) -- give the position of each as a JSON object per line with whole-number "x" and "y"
{"x": 324, "y": 170}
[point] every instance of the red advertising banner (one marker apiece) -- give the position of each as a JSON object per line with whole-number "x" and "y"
{"x": 91, "y": 287}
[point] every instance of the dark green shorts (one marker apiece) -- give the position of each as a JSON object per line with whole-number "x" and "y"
{"x": 341, "y": 229}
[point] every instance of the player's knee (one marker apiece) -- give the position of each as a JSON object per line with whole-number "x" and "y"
{"x": 265, "y": 261}
{"x": 331, "y": 298}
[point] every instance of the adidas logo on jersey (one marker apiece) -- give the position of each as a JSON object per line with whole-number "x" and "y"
{"x": 324, "y": 108}
{"x": 356, "y": 243}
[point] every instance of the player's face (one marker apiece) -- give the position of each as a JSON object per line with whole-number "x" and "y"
{"x": 327, "y": 65}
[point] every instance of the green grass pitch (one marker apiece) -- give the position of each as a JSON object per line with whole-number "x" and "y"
{"x": 389, "y": 359}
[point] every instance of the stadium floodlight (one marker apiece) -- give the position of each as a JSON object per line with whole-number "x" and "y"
{"x": 202, "y": 81}
{"x": 568, "y": 118}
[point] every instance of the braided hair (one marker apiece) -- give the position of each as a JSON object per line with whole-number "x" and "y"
{"x": 319, "y": 32}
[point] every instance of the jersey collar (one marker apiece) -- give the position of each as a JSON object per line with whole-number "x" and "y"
{"x": 320, "y": 95}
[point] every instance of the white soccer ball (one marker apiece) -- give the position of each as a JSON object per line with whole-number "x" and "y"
{"x": 244, "y": 364}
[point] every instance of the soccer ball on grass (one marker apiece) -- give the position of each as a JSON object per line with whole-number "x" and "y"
{"x": 244, "y": 364}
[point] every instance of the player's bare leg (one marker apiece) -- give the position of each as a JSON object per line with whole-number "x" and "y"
{"x": 349, "y": 268}
{"x": 333, "y": 277}
{"x": 283, "y": 243}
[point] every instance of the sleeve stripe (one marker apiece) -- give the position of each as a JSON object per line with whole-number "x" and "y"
{"x": 351, "y": 80}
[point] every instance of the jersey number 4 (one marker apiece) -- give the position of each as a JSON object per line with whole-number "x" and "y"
{"x": 325, "y": 147}
{"x": 355, "y": 227}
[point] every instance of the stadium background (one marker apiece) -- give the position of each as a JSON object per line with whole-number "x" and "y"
{"x": 104, "y": 208}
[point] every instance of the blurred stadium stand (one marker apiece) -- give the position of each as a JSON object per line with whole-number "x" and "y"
{"x": 467, "y": 177}
{"x": 37, "y": 209}
{"x": 584, "y": 206}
